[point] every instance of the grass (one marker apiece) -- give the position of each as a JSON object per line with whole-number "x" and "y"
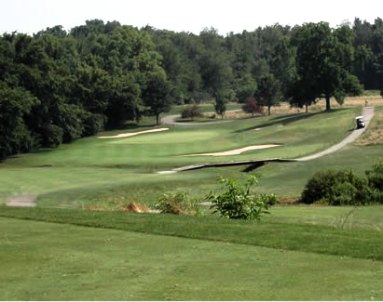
{"x": 374, "y": 133}
{"x": 94, "y": 171}
{"x": 58, "y": 251}
{"x": 199, "y": 258}
{"x": 307, "y": 237}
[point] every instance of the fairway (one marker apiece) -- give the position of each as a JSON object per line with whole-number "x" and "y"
{"x": 61, "y": 251}
{"x": 124, "y": 169}
{"x": 146, "y": 164}
{"x": 47, "y": 261}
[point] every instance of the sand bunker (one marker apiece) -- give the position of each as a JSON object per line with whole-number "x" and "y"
{"x": 122, "y": 135}
{"x": 21, "y": 201}
{"x": 235, "y": 151}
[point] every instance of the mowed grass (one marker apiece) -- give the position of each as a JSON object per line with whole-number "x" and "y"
{"x": 113, "y": 171}
{"x": 296, "y": 253}
{"x": 121, "y": 256}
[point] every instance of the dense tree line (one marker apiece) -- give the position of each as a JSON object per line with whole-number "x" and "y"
{"x": 57, "y": 86}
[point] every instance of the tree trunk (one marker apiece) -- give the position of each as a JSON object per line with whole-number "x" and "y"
{"x": 268, "y": 110}
{"x": 328, "y": 107}
{"x": 158, "y": 118}
{"x": 307, "y": 108}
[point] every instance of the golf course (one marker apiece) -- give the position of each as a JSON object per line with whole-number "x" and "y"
{"x": 73, "y": 238}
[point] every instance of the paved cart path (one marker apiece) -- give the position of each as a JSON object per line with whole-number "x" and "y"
{"x": 368, "y": 113}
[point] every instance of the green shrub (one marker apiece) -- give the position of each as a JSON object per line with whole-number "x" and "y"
{"x": 375, "y": 181}
{"x": 333, "y": 187}
{"x": 177, "y": 203}
{"x": 238, "y": 202}
{"x": 375, "y": 176}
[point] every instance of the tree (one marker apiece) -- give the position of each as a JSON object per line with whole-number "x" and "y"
{"x": 251, "y": 106}
{"x": 14, "y": 135}
{"x": 245, "y": 87}
{"x": 269, "y": 92}
{"x": 220, "y": 103}
{"x": 324, "y": 61}
{"x": 156, "y": 94}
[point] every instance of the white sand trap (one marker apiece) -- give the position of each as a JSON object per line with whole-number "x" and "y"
{"x": 235, "y": 151}
{"x": 21, "y": 201}
{"x": 122, "y": 135}
{"x": 167, "y": 172}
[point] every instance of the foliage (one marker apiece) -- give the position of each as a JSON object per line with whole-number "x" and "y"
{"x": 375, "y": 181}
{"x": 269, "y": 91}
{"x": 251, "y": 106}
{"x": 324, "y": 59}
{"x": 103, "y": 75}
{"x": 239, "y": 202}
{"x": 191, "y": 112}
{"x": 15, "y": 137}
{"x": 220, "y": 103}
{"x": 337, "y": 187}
{"x": 178, "y": 203}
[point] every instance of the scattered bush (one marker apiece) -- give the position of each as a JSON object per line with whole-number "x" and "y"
{"x": 375, "y": 181}
{"x": 191, "y": 112}
{"x": 251, "y": 106}
{"x": 375, "y": 176}
{"x": 177, "y": 203}
{"x": 239, "y": 202}
{"x": 333, "y": 187}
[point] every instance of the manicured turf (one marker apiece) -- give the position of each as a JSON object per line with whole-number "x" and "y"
{"x": 297, "y": 253}
{"x": 358, "y": 243}
{"x": 92, "y": 170}
{"x": 48, "y": 261}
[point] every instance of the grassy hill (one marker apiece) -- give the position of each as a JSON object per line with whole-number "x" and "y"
{"x": 59, "y": 251}
{"x": 94, "y": 170}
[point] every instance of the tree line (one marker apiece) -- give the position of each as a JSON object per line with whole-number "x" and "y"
{"x": 57, "y": 86}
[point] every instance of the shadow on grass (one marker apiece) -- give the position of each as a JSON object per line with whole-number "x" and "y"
{"x": 286, "y": 120}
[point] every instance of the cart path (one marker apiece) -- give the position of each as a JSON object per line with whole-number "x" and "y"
{"x": 171, "y": 120}
{"x": 368, "y": 113}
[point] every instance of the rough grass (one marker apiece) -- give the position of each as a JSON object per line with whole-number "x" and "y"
{"x": 374, "y": 133}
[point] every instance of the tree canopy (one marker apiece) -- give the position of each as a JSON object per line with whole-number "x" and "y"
{"x": 57, "y": 85}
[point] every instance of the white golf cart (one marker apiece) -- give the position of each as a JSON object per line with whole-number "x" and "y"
{"x": 359, "y": 122}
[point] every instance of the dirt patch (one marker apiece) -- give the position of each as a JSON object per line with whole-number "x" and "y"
{"x": 136, "y": 207}
{"x": 235, "y": 151}
{"x": 21, "y": 201}
{"x": 122, "y": 135}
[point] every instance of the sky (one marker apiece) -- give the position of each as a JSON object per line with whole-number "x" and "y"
{"x": 31, "y": 16}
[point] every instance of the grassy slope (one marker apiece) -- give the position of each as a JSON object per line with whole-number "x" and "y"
{"x": 122, "y": 170}
{"x": 359, "y": 242}
{"x": 48, "y": 261}
{"x": 297, "y": 253}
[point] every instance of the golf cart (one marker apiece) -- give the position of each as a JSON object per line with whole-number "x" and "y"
{"x": 359, "y": 122}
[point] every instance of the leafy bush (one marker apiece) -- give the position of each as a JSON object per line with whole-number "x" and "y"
{"x": 375, "y": 176}
{"x": 333, "y": 187}
{"x": 238, "y": 202}
{"x": 191, "y": 112}
{"x": 375, "y": 181}
{"x": 251, "y": 106}
{"x": 177, "y": 203}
